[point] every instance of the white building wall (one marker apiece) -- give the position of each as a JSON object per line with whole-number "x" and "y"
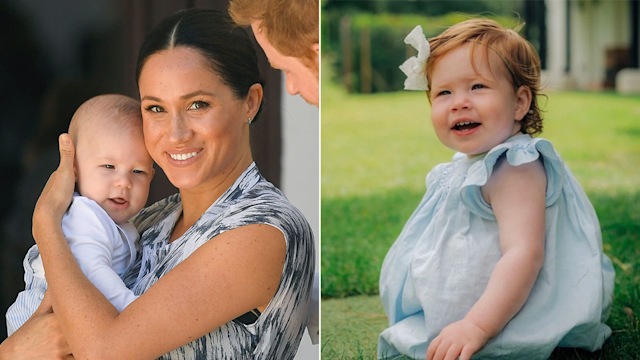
{"x": 596, "y": 27}
{"x": 554, "y": 76}
{"x": 300, "y": 179}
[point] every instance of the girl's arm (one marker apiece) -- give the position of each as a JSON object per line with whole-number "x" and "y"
{"x": 234, "y": 272}
{"x": 517, "y": 197}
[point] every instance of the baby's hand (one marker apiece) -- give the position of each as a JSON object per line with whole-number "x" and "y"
{"x": 459, "y": 340}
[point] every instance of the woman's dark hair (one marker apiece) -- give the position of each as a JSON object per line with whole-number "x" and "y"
{"x": 226, "y": 47}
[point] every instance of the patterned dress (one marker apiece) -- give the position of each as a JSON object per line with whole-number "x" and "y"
{"x": 250, "y": 200}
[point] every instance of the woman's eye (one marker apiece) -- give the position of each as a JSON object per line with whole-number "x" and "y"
{"x": 198, "y": 105}
{"x": 154, "y": 108}
{"x": 108, "y": 166}
{"x": 477, "y": 86}
{"x": 444, "y": 92}
{"x": 138, "y": 171}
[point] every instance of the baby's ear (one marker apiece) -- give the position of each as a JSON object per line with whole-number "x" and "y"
{"x": 76, "y": 187}
{"x": 75, "y": 173}
{"x": 523, "y": 102}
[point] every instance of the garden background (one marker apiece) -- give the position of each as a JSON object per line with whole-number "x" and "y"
{"x": 377, "y": 149}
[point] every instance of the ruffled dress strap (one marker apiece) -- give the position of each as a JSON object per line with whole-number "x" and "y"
{"x": 517, "y": 150}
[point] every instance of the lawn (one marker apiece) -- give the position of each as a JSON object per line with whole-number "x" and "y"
{"x": 376, "y": 152}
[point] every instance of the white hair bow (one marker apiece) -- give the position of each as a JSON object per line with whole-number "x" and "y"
{"x": 413, "y": 67}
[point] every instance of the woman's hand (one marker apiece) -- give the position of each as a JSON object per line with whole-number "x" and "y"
{"x": 459, "y": 340}
{"x": 39, "y": 338}
{"x": 57, "y": 193}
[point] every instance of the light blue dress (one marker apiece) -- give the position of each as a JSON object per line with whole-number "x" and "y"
{"x": 442, "y": 260}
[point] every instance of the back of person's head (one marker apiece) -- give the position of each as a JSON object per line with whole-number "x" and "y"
{"x": 227, "y": 48}
{"x": 517, "y": 54}
{"x": 118, "y": 113}
{"x": 290, "y": 26}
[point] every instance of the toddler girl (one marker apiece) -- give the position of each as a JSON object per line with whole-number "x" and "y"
{"x": 503, "y": 256}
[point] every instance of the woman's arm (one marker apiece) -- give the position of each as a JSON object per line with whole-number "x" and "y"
{"x": 517, "y": 197}
{"x": 38, "y": 338}
{"x": 231, "y": 274}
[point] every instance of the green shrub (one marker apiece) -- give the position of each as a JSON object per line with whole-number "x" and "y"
{"x": 346, "y": 37}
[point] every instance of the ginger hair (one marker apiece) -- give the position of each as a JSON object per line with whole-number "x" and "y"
{"x": 291, "y": 26}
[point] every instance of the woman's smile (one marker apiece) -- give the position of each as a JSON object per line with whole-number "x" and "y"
{"x": 195, "y": 126}
{"x": 183, "y": 156}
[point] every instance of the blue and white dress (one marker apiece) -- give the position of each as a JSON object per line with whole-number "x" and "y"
{"x": 250, "y": 200}
{"x": 441, "y": 262}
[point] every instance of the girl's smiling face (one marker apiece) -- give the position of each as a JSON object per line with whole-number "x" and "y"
{"x": 474, "y": 106}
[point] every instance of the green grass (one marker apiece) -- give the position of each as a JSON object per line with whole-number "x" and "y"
{"x": 376, "y": 152}
{"x": 353, "y": 325}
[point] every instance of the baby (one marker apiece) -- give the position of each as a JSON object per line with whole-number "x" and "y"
{"x": 503, "y": 256}
{"x": 113, "y": 175}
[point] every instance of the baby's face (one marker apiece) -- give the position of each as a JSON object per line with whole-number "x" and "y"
{"x": 115, "y": 170}
{"x": 474, "y": 109}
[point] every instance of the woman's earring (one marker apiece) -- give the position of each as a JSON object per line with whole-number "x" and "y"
{"x": 249, "y": 120}
{"x": 530, "y": 111}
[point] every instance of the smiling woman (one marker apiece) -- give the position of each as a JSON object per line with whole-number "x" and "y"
{"x": 183, "y": 100}
{"x": 239, "y": 255}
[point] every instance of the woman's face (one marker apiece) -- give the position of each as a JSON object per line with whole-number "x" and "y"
{"x": 195, "y": 128}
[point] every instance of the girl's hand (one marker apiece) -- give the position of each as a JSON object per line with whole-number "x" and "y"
{"x": 39, "y": 338}
{"x": 459, "y": 340}
{"x": 57, "y": 193}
